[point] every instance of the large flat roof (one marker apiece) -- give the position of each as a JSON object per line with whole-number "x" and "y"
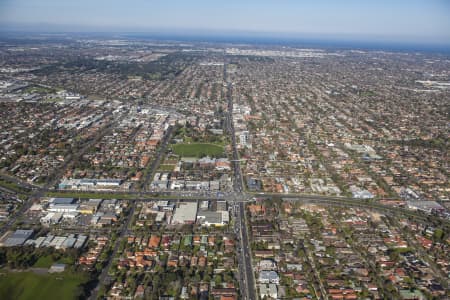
{"x": 185, "y": 212}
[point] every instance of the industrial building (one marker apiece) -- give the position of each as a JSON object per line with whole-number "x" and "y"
{"x": 18, "y": 238}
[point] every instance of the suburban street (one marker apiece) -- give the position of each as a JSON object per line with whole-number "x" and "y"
{"x": 231, "y": 151}
{"x": 123, "y": 232}
{"x": 39, "y": 192}
{"x": 237, "y": 200}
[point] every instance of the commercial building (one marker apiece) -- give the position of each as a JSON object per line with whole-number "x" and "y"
{"x": 86, "y": 184}
{"x": 185, "y": 213}
{"x": 215, "y": 218}
{"x": 426, "y": 206}
{"x": 268, "y": 277}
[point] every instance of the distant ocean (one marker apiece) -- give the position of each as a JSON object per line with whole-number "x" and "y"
{"x": 255, "y": 39}
{"x": 297, "y": 42}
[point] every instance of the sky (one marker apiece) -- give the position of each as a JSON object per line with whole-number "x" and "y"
{"x": 422, "y": 21}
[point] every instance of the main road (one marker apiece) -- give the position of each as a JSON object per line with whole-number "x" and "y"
{"x": 150, "y": 171}
{"x": 245, "y": 267}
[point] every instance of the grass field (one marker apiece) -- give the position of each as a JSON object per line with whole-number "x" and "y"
{"x": 47, "y": 261}
{"x": 28, "y": 285}
{"x": 165, "y": 168}
{"x": 197, "y": 150}
{"x": 43, "y": 262}
{"x": 38, "y": 89}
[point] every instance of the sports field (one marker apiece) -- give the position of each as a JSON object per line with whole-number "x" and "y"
{"x": 28, "y": 285}
{"x": 197, "y": 150}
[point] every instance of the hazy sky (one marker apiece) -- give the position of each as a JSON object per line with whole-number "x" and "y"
{"x": 407, "y": 20}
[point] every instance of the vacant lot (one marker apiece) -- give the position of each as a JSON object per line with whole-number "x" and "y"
{"x": 197, "y": 150}
{"x": 28, "y": 285}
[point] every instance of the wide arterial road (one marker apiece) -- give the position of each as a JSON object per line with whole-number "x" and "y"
{"x": 246, "y": 275}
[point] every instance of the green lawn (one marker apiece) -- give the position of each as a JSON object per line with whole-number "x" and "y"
{"x": 38, "y": 89}
{"x": 28, "y": 285}
{"x": 44, "y": 262}
{"x": 47, "y": 261}
{"x": 197, "y": 150}
{"x": 165, "y": 168}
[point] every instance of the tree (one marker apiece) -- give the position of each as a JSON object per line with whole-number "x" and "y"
{"x": 218, "y": 279}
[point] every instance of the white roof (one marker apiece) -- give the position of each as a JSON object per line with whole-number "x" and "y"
{"x": 185, "y": 212}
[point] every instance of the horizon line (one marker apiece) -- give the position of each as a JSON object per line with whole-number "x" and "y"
{"x": 251, "y": 37}
{"x": 45, "y": 27}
